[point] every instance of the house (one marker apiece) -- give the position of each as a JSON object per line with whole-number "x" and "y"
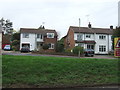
{"x": 36, "y": 38}
{"x": 99, "y": 39}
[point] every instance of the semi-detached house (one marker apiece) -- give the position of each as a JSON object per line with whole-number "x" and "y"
{"x": 99, "y": 39}
{"x": 36, "y": 38}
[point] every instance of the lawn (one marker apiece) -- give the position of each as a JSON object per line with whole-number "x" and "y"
{"x": 39, "y": 71}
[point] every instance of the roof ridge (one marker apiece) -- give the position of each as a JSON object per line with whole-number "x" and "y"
{"x": 36, "y": 29}
{"x": 87, "y": 27}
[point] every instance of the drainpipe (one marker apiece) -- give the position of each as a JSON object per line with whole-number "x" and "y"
{"x": 35, "y": 41}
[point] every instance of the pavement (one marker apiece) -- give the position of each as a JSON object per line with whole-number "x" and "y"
{"x": 31, "y": 54}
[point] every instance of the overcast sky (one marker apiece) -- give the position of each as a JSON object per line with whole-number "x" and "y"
{"x": 60, "y": 14}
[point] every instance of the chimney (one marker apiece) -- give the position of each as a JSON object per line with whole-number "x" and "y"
{"x": 89, "y": 25}
{"x": 111, "y": 27}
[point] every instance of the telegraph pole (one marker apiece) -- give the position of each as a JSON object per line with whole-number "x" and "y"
{"x": 79, "y": 38}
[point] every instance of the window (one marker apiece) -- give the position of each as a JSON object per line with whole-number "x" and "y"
{"x": 102, "y": 48}
{"x": 79, "y": 37}
{"x": 51, "y": 46}
{"x": 88, "y": 36}
{"x": 102, "y": 37}
{"x": 50, "y": 35}
{"x": 90, "y": 46}
{"x": 40, "y": 36}
{"x": 25, "y": 35}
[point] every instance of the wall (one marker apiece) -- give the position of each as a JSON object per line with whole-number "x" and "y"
{"x": 107, "y": 42}
{"x": 31, "y": 40}
{"x": 50, "y": 40}
{"x": 95, "y": 37}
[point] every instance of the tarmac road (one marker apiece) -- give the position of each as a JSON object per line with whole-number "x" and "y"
{"x": 31, "y": 54}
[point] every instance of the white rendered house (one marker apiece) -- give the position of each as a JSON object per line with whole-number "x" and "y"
{"x": 36, "y": 38}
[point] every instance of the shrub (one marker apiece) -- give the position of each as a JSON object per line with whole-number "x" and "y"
{"x": 59, "y": 47}
{"x": 45, "y": 46}
{"x": 16, "y": 45}
{"x": 77, "y": 49}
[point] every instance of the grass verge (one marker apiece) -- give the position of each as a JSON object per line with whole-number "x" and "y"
{"x": 39, "y": 71}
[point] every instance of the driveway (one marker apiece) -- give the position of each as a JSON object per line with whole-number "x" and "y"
{"x": 31, "y": 54}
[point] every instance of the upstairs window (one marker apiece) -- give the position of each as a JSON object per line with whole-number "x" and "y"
{"x": 50, "y": 35}
{"x": 102, "y": 37}
{"x": 79, "y": 37}
{"x": 40, "y": 36}
{"x": 88, "y": 36}
{"x": 25, "y": 35}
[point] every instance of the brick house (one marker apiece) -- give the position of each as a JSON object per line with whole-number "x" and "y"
{"x": 36, "y": 38}
{"x": 98, "y": 39}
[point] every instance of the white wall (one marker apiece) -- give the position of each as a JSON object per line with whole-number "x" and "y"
{"x": 95, "y": 37}
{"x": 91, "y": 38}
{"x": 31, "y": 40}
{"x": 107, "y": 42}
{"x": 119, "y": 13}
{"x": 75, "y": 35}
{"x": 83, "y": 36}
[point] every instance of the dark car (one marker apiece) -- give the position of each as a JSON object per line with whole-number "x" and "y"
{"x": 25, "y": 49}
{"x": 89, "y": 52}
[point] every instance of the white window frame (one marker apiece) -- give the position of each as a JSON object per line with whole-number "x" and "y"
{"x": 40, "y": 36}
{"x": 51, "y": 45}
{"x": 25, "y": 35}
{"x": 79, "y": 37}
{"x": 48, "y": 35}
{"x": 88, "y": 36}
{"x": 102, "y": 37}
{"x": 102, "y": 48}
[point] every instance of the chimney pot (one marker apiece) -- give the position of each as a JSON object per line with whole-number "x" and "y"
{"x": 111, "y": 27}
{"x": 89, "y": 25}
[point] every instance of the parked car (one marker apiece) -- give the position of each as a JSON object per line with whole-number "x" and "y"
{"x": 25, "y": 49}
{"x": 89, "y": 52}
{"x": 7, "y": 48}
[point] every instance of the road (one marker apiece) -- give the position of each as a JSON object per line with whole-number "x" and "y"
{"x": 31, "y": 54}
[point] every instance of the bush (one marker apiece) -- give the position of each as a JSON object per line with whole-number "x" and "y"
{"x": 59, "y": 47}
{"x": 77, "y": 49}
{"x": 68, "y": 50}
{"x": 16, "y": 45}
{"x": 45, "y": 46}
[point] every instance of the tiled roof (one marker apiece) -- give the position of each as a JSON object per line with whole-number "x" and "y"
{"x": 91, "y": 30}
{"x": 37, "y": 31}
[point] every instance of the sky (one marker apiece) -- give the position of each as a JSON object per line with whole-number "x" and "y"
{"x": 60, "y": 14}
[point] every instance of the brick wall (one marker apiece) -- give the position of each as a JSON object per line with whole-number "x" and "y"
{"x": 69, "y": 40}
{"x": 50, "y": 40}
